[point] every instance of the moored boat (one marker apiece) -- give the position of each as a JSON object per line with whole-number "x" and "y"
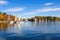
{"x": 11, "y": 22}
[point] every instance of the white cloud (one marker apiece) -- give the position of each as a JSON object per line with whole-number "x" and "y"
{"x": 3, "y": 2}
{"x": 47, "y": 4}
{"x": 44, "y": 10}
{"x": 17, "y": 9}
{"x": 48, "y": 9}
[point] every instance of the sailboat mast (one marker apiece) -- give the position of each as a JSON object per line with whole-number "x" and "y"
{"x": 21, "y": 16}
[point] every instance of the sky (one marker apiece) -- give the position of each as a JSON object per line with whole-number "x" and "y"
{"x": 30, "y": 8}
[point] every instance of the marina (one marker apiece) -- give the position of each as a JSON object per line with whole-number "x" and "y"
{"x": 29, "y": 19}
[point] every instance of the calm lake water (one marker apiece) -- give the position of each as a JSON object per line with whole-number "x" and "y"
{"x": 30, "y": 31}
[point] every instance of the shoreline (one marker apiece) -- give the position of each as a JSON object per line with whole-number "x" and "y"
{"x": 3, "y": 21}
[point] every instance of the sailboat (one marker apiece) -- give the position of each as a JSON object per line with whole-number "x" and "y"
{"x": 11, "y": 22}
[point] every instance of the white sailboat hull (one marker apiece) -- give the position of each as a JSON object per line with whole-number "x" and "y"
{"x": 11, "y": 22}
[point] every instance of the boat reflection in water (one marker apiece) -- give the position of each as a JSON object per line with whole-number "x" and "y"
{"x": 9, "y": 26}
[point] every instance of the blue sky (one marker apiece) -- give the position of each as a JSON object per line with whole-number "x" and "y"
{"x": 30, "y": 8}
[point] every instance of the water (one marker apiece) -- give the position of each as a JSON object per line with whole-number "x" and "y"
{"x": 30, "y": 31}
